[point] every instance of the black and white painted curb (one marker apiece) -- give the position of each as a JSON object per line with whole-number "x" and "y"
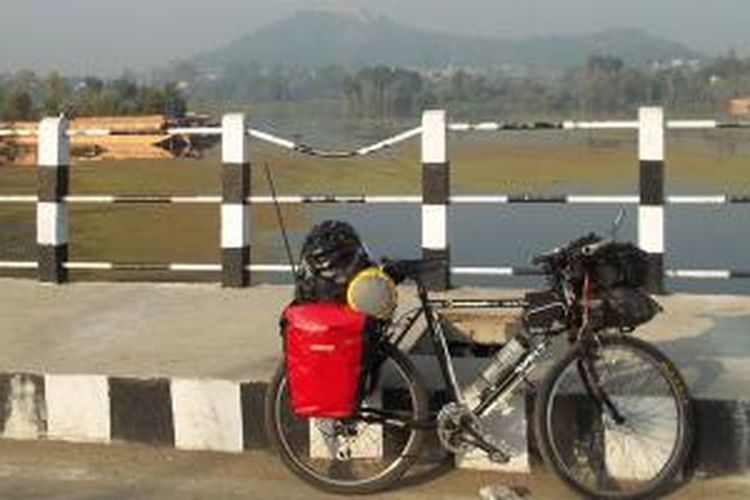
{"x": 187, "y": 414}
{"x": 227, "y": 416}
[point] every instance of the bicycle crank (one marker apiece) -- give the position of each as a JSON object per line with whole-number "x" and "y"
{"x": 460, "y": 431}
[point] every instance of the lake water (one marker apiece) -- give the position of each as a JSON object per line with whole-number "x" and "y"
{"x": 500, "y": 236}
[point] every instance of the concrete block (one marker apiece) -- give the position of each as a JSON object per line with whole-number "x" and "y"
{"x": 207, "y": 415}
{"x": 77, "y": 408}
{"x": 23, "y": 414}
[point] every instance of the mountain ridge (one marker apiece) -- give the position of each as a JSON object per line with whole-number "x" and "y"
{"x": 319, "y": 38}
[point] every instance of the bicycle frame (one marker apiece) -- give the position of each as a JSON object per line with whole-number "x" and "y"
{"x": 514, "y": 377}
{"x": 428, "y": 309}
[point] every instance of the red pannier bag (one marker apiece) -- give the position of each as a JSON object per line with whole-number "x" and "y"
{"x": 323, "y": 346}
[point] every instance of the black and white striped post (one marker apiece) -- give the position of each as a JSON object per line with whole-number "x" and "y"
{"x": 435, "y": 197}
{"x": 235, "y": 209}
{"x": 651, "y": 208}
{"x": 51, "y": 213}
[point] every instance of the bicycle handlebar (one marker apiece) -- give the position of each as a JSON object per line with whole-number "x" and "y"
{"x": 547, "y": 257}
{"x": 413, "y": 269}
{"x": 592, "y": 248}
{"x": 555, "y": 259}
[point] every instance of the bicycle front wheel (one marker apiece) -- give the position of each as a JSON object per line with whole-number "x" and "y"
{"x": 362, "y": 454}
{"x": 613, "y": 419}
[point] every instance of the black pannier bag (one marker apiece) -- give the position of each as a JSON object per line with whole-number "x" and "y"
{"x": 623, "y": 308}
{"x": 613, "y": 265}
{"x": 620, "y": 264}
{"x": 332, "y": 254}
{"x": 617, "y": 273}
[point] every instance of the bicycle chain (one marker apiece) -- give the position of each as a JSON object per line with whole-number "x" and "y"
{"x": 459, "y": 431}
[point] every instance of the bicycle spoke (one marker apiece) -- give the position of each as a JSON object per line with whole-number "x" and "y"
{"x": 603, "y": 454}
{"x": 361, "y": 453}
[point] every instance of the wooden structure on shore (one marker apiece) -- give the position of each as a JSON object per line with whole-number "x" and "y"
{"x": 113, "y": 138}
{"x": 739, "y": 107}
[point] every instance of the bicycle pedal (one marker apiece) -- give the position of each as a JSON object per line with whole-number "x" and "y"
{"x": 499, "y": 457}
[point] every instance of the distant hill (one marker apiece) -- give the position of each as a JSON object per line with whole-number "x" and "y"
{"x": 316, "y": 38}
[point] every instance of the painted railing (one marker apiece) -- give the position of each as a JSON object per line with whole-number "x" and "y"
{"x": 236, "y": 200}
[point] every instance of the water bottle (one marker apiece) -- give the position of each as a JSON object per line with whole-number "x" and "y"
{"x": 501, "y": 362}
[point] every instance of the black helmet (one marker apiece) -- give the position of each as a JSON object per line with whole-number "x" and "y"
{"x": 331, "y": 248}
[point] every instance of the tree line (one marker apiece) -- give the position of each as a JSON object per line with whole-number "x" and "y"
{"x": 602, "y": 86}
{"x": 28, "y": 96}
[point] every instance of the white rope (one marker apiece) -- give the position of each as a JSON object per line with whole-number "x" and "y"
{"x": 365, "y": 199}
{"x": 10, "y": 132}
{"x": 697, "y": 200}
{"x": 89, "y": 266}
{"x": 483, "y": 271}
{"x": 194, "y": 131}
{"x": 109, "y": 266}
{"x": 286, "y": 268}
{"x": 279, "y": 199}
{"x": 600, "y": 199}
{"x": 89, "y": 199}
{"x": 92, "y": 132}
{"x": 313, "y": 151}
{"x": 691, "y": 124}
{"x": 6, "y": 264}
{"x": 272, "y": 139}
{"x": 393, "y": 199}
{"x": 699, "y": 273}
{"x": 609, "y": 125}
{"x": 195, "y": 267}
{"x": 184, "y": 200}
{"x": 488, "y": 126}
{"x": 571, "y": 199}
{"x": 270, "y": 268}
{"x": 375, "y": 200}
{"x": 476, "y": 199}
{"x": 12, "y": 198}
{"x": 396, "y": 139}
{"x": 196, "y": 199}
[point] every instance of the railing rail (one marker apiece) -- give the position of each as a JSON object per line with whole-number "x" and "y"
{"x": 236, "y": 199}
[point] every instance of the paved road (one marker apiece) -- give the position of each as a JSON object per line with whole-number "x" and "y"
{"x": 199, "y": 330}
{"x": 31, "y": 470}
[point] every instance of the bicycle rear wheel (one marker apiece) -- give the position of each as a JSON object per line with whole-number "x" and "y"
{"x": 614, "y": 419}
{"x": 362, "y": 454}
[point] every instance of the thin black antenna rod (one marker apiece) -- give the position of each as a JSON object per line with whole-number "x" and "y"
{"x": 617, "y": 222}
{"x": 281, "y": 221}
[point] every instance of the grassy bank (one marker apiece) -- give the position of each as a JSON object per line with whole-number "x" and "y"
{"x": 546, "y": 163}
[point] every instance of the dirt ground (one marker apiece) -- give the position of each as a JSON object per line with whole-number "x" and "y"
{"x": 36, "y": 470}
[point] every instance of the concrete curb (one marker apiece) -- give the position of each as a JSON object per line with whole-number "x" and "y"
{"x": 189, "y": 414}
{"x": 227, "y": 416}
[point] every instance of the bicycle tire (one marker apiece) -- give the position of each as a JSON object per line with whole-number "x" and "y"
{"x": 292, "y": 436}
{"x": 583, "y": 442}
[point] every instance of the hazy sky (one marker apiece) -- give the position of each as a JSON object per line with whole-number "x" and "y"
{"x": 106, "y": 36}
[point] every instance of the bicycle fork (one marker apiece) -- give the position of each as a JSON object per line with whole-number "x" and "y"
{"x": 594, "y": 389}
